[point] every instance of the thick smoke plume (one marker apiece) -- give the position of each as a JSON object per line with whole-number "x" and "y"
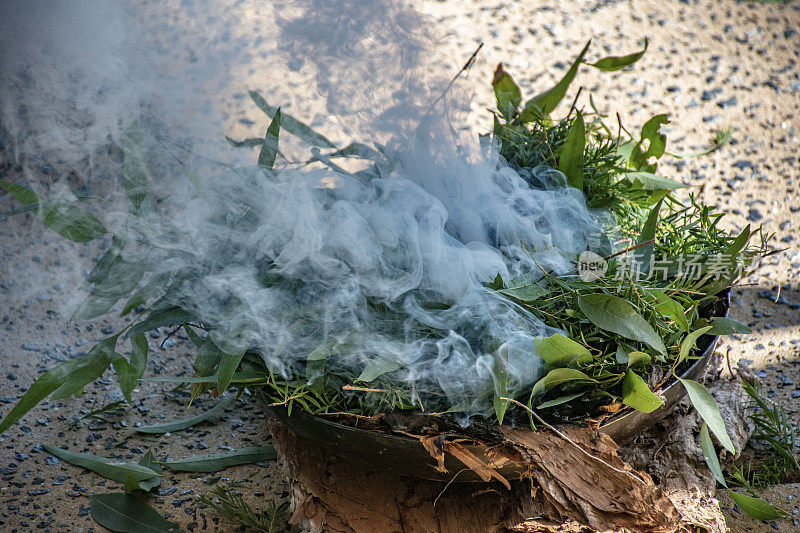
{"x": 388, "y": 273}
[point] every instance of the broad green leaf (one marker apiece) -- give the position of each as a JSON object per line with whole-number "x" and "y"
{"x": 758, "y": 508}
{"x": 134, "y": 167}
{"x": 688, "y": 343}
{"x": 637, "y": 394}
{"x": 671, "y": 309}
{"x": 25, "y": 195}
{"x": 506, "y": 92}
{"x": 656, "y": 145}
{"x": 638, "y": 359}
{"x": 497, "y": 283}
{"x": 708, "y": 410}
{"x": 110, "y": 258}
{"x": 113, "y": 469}
{"x": 269, "y": 150}
{"x": 653, "y": 182}
{"x": 560, "y": 400}
{"x": 166, "y": 317}
{"x": 559, "y": 376}
{"x": 126, "y": 513}
{"x": 525, "y": 293}
{"x": 570, "y": 161}
{"x": 215, "y": 462}
{"x": 130, "y": 372}
{"x": 144, "y": 294}
{"x": 711, "y": 455}
{"x": 148, "y": 460}
{"x": 622, "y": 355}
{"x": 726, "y": 326}
{"x": 558, "y": 350}
{"x": 618, "y": 316}
{"x": 378, "y": 366}
{"x": 178, "y": 425}
{"x": 228, "y": 363}
{"x": 612, "y": 63}
{"x": 72, "y": 222}
{"x": 545, "y": 103}
{"x": 292, "y": 125}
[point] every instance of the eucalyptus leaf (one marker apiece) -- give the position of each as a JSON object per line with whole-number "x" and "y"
{"x": 637, "y": 394}
{"x": 560, "y": 400}
{"x": 708, "y": 410}
{"x": 25, "y": 195}
{"x": 726, "y": 326}
{"x": 506, "y": 92}
{"x": 165, "y": 317}
{"x": 126, "y": 513}
{"x": 712, "y": 460}
{"x": 655, "y": 147}
{"x": 545, "y": 103}
{"x": 88, "y": 368}
{"x": 644, "y": 254}
{"x": 688, "y": 343}
{"x": 113, "y": 469}
{"x": 292, "y": 125}
{"x": 228, "y": 363}
{"x": 72, "y": 222}
{"x": 269, "y": 150}
{"x": 612, "y": 63}
{"x": 570, "y": 161}
{"x": 215, "y": 462}
{"x": 184, "y": 423}
{"x": 130, "y": 372}
{"x": 525, "y": 293}
{"x": 558, "y": 350}
{"x": 501, "y": 381}
{"x": 758, "y": 508}
{"x": 614, "y": 314}
{"x": 639, "y": 359}
{"x": 134, "y": 167}
{"x": 377, "y": 367}
{"x": 671, "y": 309}
{"x": 653, "y": 182}
{"x": 559, "y": 376}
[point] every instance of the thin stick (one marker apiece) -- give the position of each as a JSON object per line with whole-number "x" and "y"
{"x": 626, "y": 250}
{"x": 466, "y": 67}
{"x": 448, "y": 485}
{"x": 578, "y": 446}
{"x": 363, "y": 389}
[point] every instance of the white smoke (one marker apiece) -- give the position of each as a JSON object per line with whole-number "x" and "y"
{"x": 393, "y": 268}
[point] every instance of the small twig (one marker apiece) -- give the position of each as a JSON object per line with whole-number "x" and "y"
{"x": 578, "y": 446}
{"x": 466, "y": 67}
{"x": 170, "y": 334}
{"x": 448, "y": 485}
{"x": 363, "y": 389}
{"x": 630, "y": 248}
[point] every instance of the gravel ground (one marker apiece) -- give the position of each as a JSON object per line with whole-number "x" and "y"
{"x": 711, "y": 63}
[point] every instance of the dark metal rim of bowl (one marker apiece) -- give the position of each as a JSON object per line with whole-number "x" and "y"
{"x": 405, "y": 455}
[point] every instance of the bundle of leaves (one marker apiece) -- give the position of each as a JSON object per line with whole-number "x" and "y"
{"x": 623, "y": 336}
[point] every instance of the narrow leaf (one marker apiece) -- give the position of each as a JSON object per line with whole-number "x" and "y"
{"x": 178, "y": 425}
{"x": 711, "y": 455}
{"x": 506, "y": 92}
{"x": 570, "y": 162}
{"x": 545, "y": 103}
{"x": 134, "y": 167}
{"x": 708, "y": 410}
{"x": 612, "y": 63}
{"x": 113, "y": 469}
{"x": 72, "y": 222}
{"x": 688, "y": 343}
{"x": 228, "y": 363}
{"x": 653, "y": 182}
{"x": 166, "y": 317}
{"x": 559, "y": 376}
{"x": 269, "y": 150}
{"x": 560, "y": 400}
{"x": 128, "y": 514}
{"x": 215, "y": 462}
{"x": 378, "y": 367}
{"x": 292, "y": 125}
{"x": 758, "y": 508}
{"x": 727, "y": 326}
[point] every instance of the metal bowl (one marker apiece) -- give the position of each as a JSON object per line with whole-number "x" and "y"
{"x": 405, "y": 456}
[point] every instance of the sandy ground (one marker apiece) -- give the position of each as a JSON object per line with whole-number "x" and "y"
{"x": 712, "y": 63}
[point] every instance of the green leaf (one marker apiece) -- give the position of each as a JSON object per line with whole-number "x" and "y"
{"x": 148, "y": 460}
{"x": 121, "y": 278}
{"x": 618, "y": 316}
{"x": 721, "y": 138}
{"x": 228, "y": 363}
{"x": 545, "y": 103}
{"x": 292, "y": 125}
{"x": 653, "y": 182}
{"x": 644, "y": 254}
{"x": 726, "y": 326}
{"x": 132, "y": 371}
{"x": 113, "y": 469}
{"x": 559, "y": 376}
{"x": 269, "y": 150}
{"x": 688, "y": 343}
{"x": 501, "y": 381}
{"x": 250, "y": 142}
{"x": 758, "y": 508}
{"x": 739, "y": 242}
{"x": 378, "y": 366}
{"x": 72, "y": 222}
{"x": 525, "y": 293}
{"x": 506, "y": 92}
{"x": 570, "y": 162}
{"x": 184, "y": 423}
{"x": 215, "y": 462}
{"x": 711, "y": 455}
{"x": 638, "y": 359}
{"x": 25, "y": 195}
{"x": 166, "y": 317}
{"x": 87, "y": 369}
{"x": 708, "y": 410}
{"x": 612, "y": 63}
{"x": 125, "y": 513}
{"x": 637, "y": 394}
{"x": 671, "y": 309}
{"x": 560, "y": 400}
{"x": 657, "y": 144}
{"x": 558, "y": 350}
{"x": 134, "y": 167}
